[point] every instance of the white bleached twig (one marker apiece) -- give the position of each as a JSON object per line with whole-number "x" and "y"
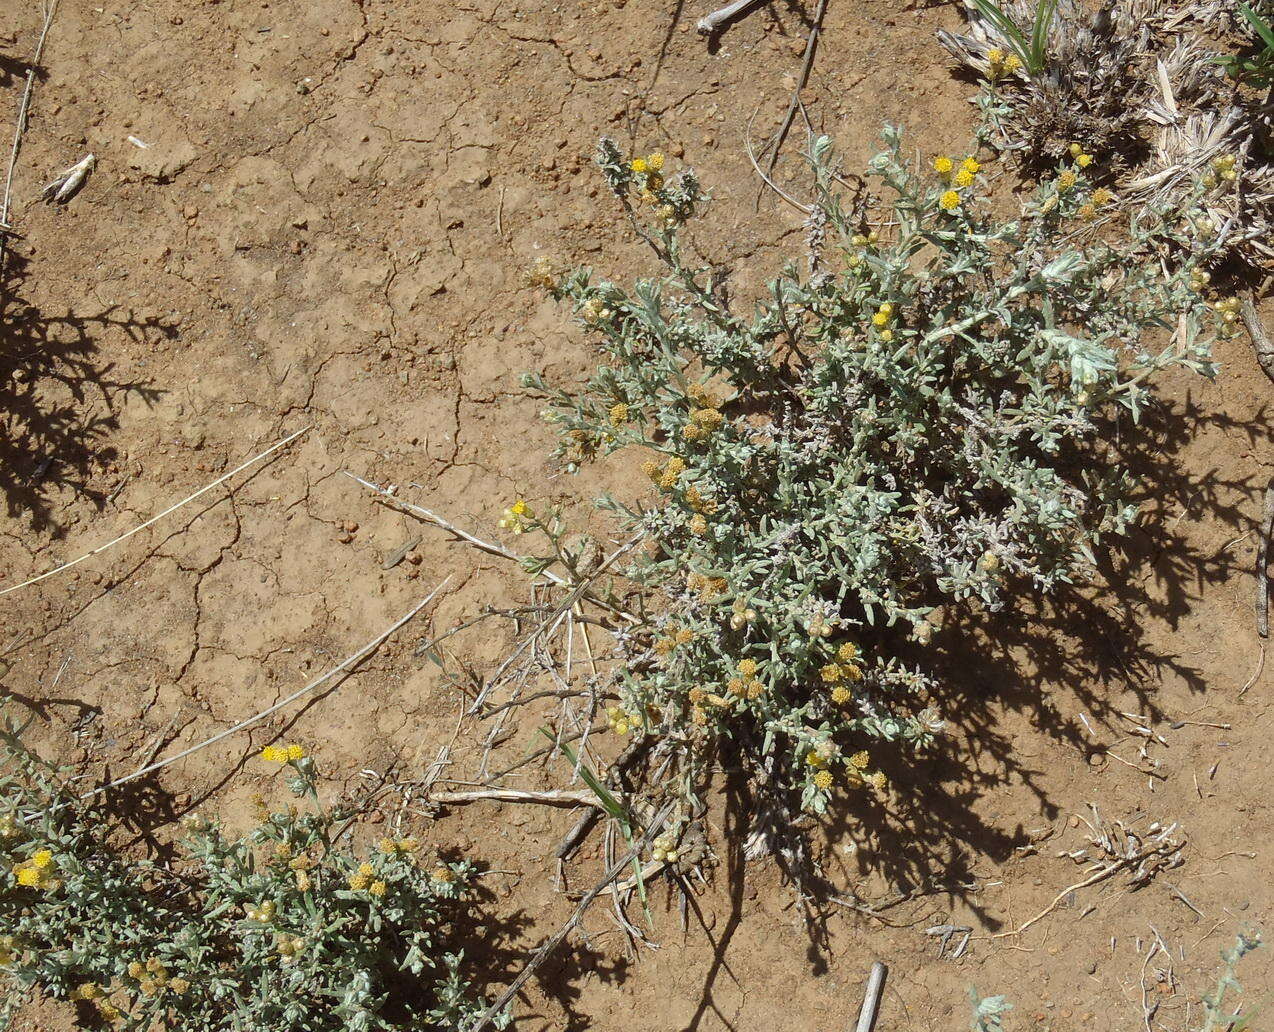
{"x": 68, "y": 181}
{"x": 710, "y": 23}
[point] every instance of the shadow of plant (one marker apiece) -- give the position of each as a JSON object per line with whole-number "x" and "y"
{"x": 58, "y": 399}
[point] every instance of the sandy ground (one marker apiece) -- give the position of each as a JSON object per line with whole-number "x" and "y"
{"x": 327, "y": 227}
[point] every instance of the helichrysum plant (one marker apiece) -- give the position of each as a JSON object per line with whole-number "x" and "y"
{"x": 917, "y": 416}
{"x": 275, "y": 931}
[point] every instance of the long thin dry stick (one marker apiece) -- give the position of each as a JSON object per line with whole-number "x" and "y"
{"x": 559, "y": 797}
{"x": 555, "y": 940}
{"x": 155, "y": 519}
{"x": 23, "y": 107}
{"x": 1263, "y": 565}
{"x": 810, "y": 46}
{"x": 344, "y": 665}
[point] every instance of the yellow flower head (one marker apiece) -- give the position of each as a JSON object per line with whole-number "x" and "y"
{"x": 747, "y": 667}
{"x": 1102, "y": 196}
{"x": 878, "y": 781}
{"x": 860, "y": 760}
{"x": 848, "y": 652}
{"x": 823, "y": 780}
{"x": 970, "y": 166}
{"x": 618, "y": 414}
{"x": 841, "y": 695}
{"x": 698, "y": 525}
{"x": 879, "y": 319}
{"x": 295, "y": 752}
{"x": 274, "y": 754}
{"x": 886, "y": 335}
{"x": 358, "y": 881}
{"x": 1084, "y": 160}
{"x": 655, "y": 162}
{"x": 1066, "y": 180}
{"x": 830, "y": 673}
{"x": 943, "y": 165}
{"x": 28, "y": 877}
{"x": 964, "y": 178}
{"x": 42, "y": 858}
{"x": 949, "y": 201}
{"x": 638, "y": 164}
{"x": 377, "y": 888}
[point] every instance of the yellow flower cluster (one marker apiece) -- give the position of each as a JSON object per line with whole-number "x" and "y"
{"x": 698, "y": 503}
{"x": 681, "y": 636}
{"x": 1066, "y": 180}
{"x": 443, "y": 874}
{"x": 651, "y": 168}
{"x": 1223, "y": 170}
{"x": 262, "y": 912}
{"x": 288, "y": 946}
{"x": 402, "y": 846}
{"x": 845, "y": 668}
{"x": 152, "y": 977}
{"x": 702, "y": 423}
{"x": 744, "y": 614}
{"x": 664, "y": 849}
{"x": 594, "y": 311}
{"x": 1081, "y": 159}
{"x": 618, "y": 414}
{"x": 665, "y": 475}
{"x": 620, "y": 720}
{"x": 698, "y": 525}
{"x": 745, "y": 684}
{"x": 823, "y": 779}
{"x": 38, "y": 872}
{"x": 884, "y": 314}
{"x": 949, "y": 201}
{"x": 517, "y": 517}
{"x": 282, "y": 753}
{"x": 707, "y": 588}
{"x": 540, "y": 273}
{"x": 91, "y": 992}
{"x": 1229, "y": 310}
{"x": 362, "y": 877}
{"x": 1000, "y": 64}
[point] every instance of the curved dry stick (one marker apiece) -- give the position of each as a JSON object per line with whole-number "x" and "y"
{"x": 747, "y": 145}
{"x": 155, "y": 519}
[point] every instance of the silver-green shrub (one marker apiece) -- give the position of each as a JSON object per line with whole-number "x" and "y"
{"x": 915, "y": 416}
{"x": 274, "y": 931}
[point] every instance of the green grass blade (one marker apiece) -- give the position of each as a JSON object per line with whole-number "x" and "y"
{"x": 1261, "y": 26}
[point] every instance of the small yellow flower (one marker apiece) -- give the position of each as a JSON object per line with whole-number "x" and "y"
{"x": 358, "y": 881}
{"x": 655, "y": 162}
{"x": 860, "y": 760}
{"x": 42, "y": 858}
{"x": 1012, "y": 63}
{"x": 831, "y": 673}
{"x": 995, "y": 55}
{"x": 970, "y": 166}
{"x": 879, "y": 319}
{"x": 1066, "y": 180}
{"x": 886, "y": 335}
{"x": 848, "y": 652}
{"x": 1084, "y": 160}
{"x": 943, "y": 165}
{"x": 442, "y": 874}
{"x": 878, "y": 781}
{"x": 964, "y": 178}
{"x": 179, "y": 985}
{"x": 1102, "y": 196}
{"x": 841, "y": 695}
{"x": 618, "y": 414}
{"x": 698, "y": 525}
{"x": 303, "y": 881}
{"x": 28, "y": 877}
{"x": 949, "y": 201}
{"x": 87, "y": 991}
{"x": 638, "y": 164}
{"x": 274, "y": 754}
{"x": 377, "y": 888}
{"x": 295, "y": 752}
{"x": 747, "y": 667}
{"x": 675, "y": 467}
{"x": 823, "y": 780}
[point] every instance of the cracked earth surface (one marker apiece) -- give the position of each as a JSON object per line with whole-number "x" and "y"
{"x": 328, "y": 227}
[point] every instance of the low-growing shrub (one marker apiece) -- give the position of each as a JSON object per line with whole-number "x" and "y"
{"x": 280, "y": 929}
{"x": 920, "y": 416}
